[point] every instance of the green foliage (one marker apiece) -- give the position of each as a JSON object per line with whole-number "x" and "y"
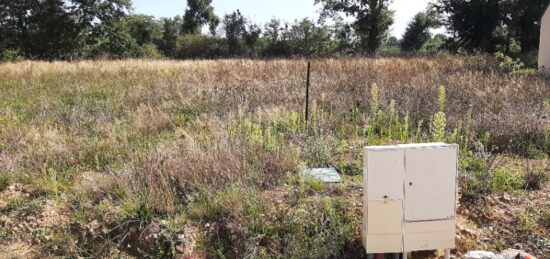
{"x": 506, "y": 181}
{"x": 479, "y": 176}
{"x": 374, "y": 103}
{"x": 316, "y": 185}
{"x": 18, "y": 204}
{"x": 417, "y": 33}
{"x": 5, "y": 181}
{"x": 523, "y": 21}
{"x": 170, "y": 32}
{"x": 439, "y": 120}
{"x": 199, "y": 46}
{"x": 434, "y": 45}
{"x": 545, "y": 219}
{"x": 318, "y": 154}
{"x": 535, "y": 179}
{"x": 475, "y": 177}
{"x": 525, "y": 222}
{"x": 63, "y": 30}
{"x": 144, "y": 29}
{"x": 373, "y": 19}
{"x": 437, "y": 127}
{"x": 317, "y": 228}
{"x": 150, "y": 51}
{"x": 197, "y": 14}
{"x": 442, "y": 98}
{"x": 234, "y": 25}
{"x": 141, "y": 211}
{"x": 10, "y": 55}
{"x": 492, "y": 25}
{"x": 306, "y": 38}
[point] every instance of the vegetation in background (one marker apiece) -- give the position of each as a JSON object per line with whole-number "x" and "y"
{"x": 205, "y": 158}
{"x": 418, "y": 31}
{"x": 70, "y": 30}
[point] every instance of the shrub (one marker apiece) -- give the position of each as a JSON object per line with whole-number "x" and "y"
{"x": 475, "y": 177}
{"x": 5, "y": 181}
{"x": 10, "y": 55}
{"x": 200, "y": 46}
{"x": 535, "y": 179}
{"x": 506, "y": 181}
{"x": 150, "y": 51}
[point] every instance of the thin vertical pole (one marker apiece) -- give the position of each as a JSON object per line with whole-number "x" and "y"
{"x": 307, "y": 93}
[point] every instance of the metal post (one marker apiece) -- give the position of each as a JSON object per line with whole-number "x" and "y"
{"x": 404, "y": 255}
{"x": 307, "y": 93}
{"x": 447, "y": 253}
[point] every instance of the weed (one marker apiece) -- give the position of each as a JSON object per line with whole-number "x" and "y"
{"x": 545, "y": 218}
{"x": 506, "y": 181}
{"x": 525, "y": 222}
{"x": 18, "y": 204}
{"x": 535, "y": 179}
{"x": 5, "y": 181}
{"x": 316, "y": 185}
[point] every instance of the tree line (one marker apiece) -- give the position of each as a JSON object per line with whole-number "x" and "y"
{"x": 88, "y": 29}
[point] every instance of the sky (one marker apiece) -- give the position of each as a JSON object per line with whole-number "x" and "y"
{"x": 261, "y": 11}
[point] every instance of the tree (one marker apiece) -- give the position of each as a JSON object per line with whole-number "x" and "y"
{"x": 472, "y": 23}
{"x": 143, "y": 28}
{"x": 198, "y": 14}
{"x": 308, "y": 39}
{"x": 276, "y": 35}
{"x": 234, "y": 25}
{"x": 251, "y": 37}
{"x": 116, "y": 43}
{"x": 52, "y": 26}
{"x": 342, "y": 35}
{"x": 170, "y": 31}
{"x": 62, "y": 27}
{"x": 373, "y": 19}
{"x": 418, "y": 31}
{"x": 523, "y": 20}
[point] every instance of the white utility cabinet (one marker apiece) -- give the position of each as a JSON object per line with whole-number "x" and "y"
{"x": 409, "y": 197}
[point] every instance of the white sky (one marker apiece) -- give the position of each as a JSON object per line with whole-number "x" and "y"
{"x": 261, "y": 11}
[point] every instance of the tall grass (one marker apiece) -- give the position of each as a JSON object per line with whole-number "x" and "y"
{"x": 222, "y": 143}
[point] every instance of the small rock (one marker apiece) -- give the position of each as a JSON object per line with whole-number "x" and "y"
{"x": 516, "y": 254}
{"x": 505, "y": 198}
{"x": 482, "y": 255}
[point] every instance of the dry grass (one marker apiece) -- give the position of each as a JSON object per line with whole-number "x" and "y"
{"x": 198, "y": 143}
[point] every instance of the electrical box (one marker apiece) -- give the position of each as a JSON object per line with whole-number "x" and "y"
{"x": 409, "y": 197}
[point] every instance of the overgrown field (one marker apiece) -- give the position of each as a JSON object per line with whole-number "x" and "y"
{"x": 204, "y": 158}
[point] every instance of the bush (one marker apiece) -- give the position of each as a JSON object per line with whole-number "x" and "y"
{"x": 10, "y": 55}
{"x": 506, "y": 181}
{"x": 199, "y": 46}
{"x": 535, "y": 180}
{"x": 4, "y": 181}
{"x": 478, "y": 178}
{"x": 475, "y": 178}
{"x": 150, "y": 51}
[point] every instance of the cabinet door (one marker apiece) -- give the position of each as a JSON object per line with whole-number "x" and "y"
{"x": 384, "y": 230}
{"x": 385, "y": 171}
{"x": 430, "y": 183}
